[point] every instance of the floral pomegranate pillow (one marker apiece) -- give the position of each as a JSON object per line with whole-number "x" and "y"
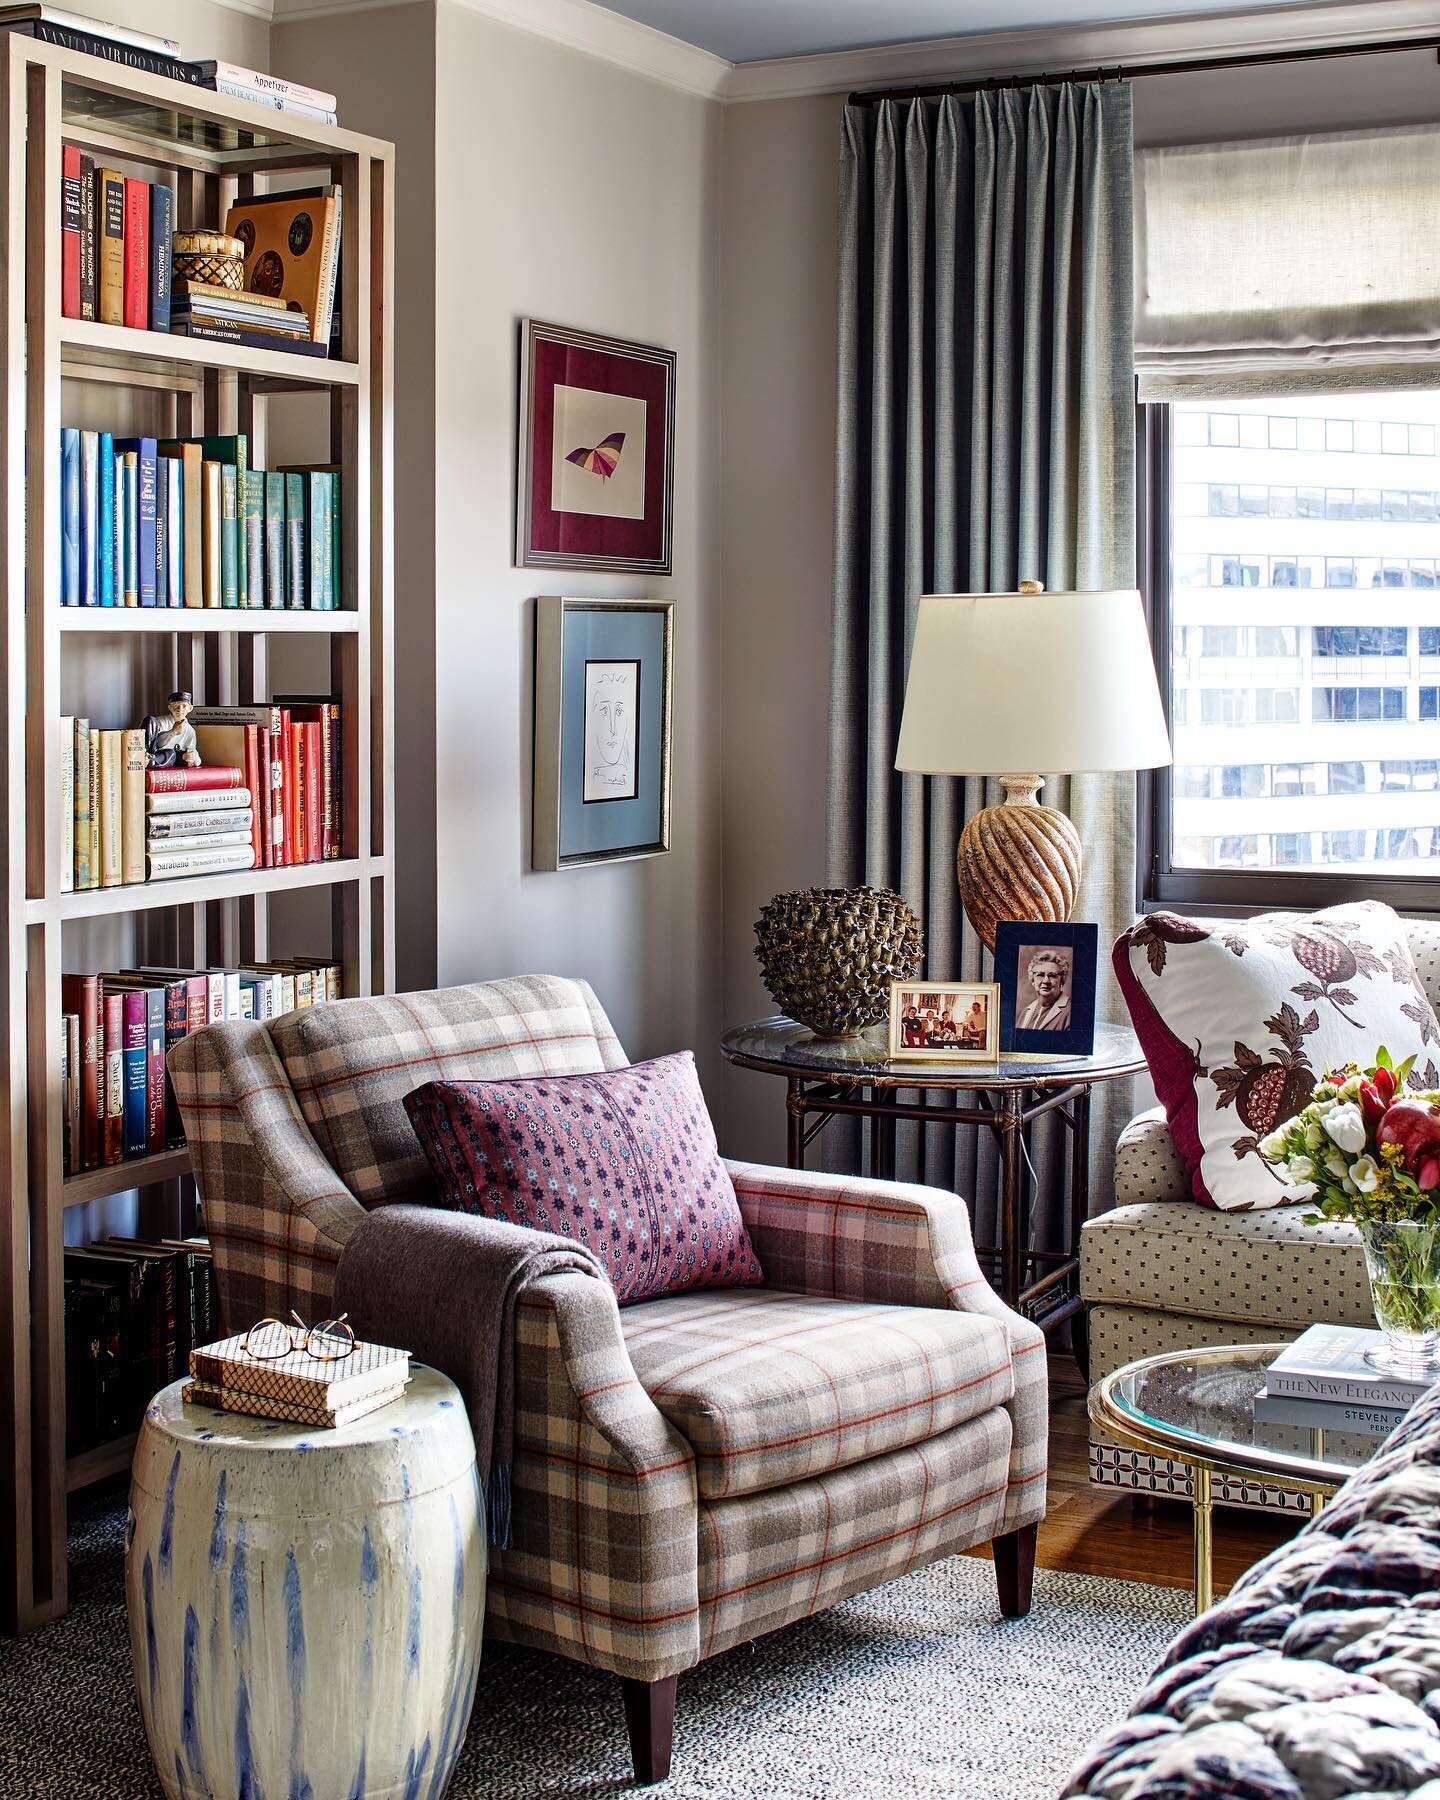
{"x": 1239, "y": 1020}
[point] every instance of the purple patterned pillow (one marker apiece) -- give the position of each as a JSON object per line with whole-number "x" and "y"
{"x": 624, "y": 1161}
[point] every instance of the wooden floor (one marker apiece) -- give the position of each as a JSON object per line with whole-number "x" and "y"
{"x": 1097, "y": 1531}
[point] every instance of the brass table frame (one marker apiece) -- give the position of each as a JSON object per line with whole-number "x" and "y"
{"x": 1207, "y": 1458}
{"x": 1008, "y": 1101}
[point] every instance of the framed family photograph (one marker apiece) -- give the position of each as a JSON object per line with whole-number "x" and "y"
{"x": 602, "y": 730}
{"x": 1047, "y": 987}
{"x": 944, "y": 1021}
{"x": 597, "y": 452}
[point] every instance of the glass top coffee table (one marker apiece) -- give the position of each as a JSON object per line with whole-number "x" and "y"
{"x": 1198, "y": 1408}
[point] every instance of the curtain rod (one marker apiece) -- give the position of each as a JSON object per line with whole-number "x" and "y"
{"x": 1129, "y": 71}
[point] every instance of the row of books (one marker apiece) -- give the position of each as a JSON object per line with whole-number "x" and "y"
{"x": 266, "y": 795}
{"x": 298, "y": 1387}
{"x": 117, "y": 262}
{"x": 1326, "y": 1381}
{"x": 135, "y": 1309}
{"x": 156, "y": 55}
{"x": 187, "y": 522}
{"x": 117, "y": 1101}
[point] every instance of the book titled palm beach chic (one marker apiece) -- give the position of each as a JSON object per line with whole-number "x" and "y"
{"x": 298, "y": 1387}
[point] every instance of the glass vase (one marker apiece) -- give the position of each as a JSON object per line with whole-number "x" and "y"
{"x": 1403, "y": 1262}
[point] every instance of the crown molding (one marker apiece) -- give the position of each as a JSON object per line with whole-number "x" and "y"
{"x": 577, "y": 24}
{"x": 1035, "y": 52}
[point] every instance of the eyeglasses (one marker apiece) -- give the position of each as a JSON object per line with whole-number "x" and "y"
{"x": 269, "y": 1339}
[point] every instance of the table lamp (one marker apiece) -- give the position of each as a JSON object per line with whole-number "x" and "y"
{"x": 1004, "y": 683}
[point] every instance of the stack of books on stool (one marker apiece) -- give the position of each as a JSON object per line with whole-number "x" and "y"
{"x": 1324, "y": 1381}
{"x": 299, "y": 1388}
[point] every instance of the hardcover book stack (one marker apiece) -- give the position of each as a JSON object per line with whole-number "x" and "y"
{"x": 187, "y": 522}
{"x": 116, "y": 1098}
{"x": 121, "y": 44}
{"x": 134, "y": 1310}
{"x": 1324, "y": 1381}
{"x": 298, "y": 1387}
{"x": 260, "y": 89}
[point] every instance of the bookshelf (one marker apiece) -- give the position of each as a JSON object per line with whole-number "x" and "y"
{"x": 211, "y": 150}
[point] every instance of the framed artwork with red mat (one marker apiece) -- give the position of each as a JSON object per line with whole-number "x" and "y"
{"x": 597, "y": 452}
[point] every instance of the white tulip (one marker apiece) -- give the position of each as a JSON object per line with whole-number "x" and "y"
{"x": 1337, "y": 1166}
{"x": 1365, "y": 1173}
{"x": 1345, "y": 1127}
{"x": 1300, "y": 1169}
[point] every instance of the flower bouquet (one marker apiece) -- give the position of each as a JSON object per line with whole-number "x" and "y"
{"x": 1369, "y": 1150}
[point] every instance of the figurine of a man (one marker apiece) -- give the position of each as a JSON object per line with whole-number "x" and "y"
{"x": 170, "y": 741}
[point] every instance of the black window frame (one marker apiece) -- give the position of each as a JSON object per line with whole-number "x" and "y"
{"x": 1220, "y": 893}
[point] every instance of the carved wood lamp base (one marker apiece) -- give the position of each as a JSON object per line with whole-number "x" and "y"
{"x": 1018, "y": 860}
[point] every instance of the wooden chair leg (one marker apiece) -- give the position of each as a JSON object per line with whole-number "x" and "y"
{"x": 1015, "y": 1569}
{"x": 650, "y": 1719}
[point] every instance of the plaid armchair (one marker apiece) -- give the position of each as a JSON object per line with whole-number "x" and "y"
{"x": 692, "y": 1471}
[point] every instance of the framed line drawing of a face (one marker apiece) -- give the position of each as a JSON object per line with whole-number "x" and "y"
{"x": 612, "y": 720}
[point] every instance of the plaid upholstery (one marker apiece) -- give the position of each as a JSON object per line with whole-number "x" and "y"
{"x": 769, "y": 1389}
{"x": 786, "y": 1554}
{"x": 616, "y": 1559}
{"x": 352, "y": 1063}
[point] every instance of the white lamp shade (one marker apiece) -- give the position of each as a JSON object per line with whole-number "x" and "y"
{"x": 1004, "y": 684}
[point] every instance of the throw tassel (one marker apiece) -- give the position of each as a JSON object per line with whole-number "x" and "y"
{"x": 497, "y": 1505}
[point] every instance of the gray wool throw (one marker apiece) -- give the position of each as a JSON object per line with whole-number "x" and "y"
{"x": 444, "y": 1286}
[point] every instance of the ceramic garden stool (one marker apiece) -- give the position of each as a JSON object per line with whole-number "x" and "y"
{"x": 306, "y": 1605}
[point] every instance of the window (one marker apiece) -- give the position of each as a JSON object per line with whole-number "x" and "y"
{"x": 1304, "y": 718}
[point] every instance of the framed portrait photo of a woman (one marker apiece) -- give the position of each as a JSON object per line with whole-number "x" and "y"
{"x": 1047, "y": 987}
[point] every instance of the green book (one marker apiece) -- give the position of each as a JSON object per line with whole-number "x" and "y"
{"x": 253, "y": 519}
{"x": 337, "y": 585}
{"x": 233, "y": 448}
{"x": 296, "y": 590}
{"x": 317, "y": 539}
{"x": 231, "y": 561}
{"x": 276, "y": 590}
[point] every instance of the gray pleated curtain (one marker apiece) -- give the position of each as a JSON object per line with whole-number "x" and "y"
{"x": 985, "y": 434}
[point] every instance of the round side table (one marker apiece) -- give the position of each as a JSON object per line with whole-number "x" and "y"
{"x": 306, "y": 1605}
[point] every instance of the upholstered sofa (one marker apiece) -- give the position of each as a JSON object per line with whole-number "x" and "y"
{"x": 1318, "y": 1676}
{"x": 1160, "y": 1273}
{"x": 691, "y": 1471}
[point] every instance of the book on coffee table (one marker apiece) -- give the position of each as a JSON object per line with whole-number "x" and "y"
{"x": 1328, "y": 1415}
{"x": 1327, "y": 1362}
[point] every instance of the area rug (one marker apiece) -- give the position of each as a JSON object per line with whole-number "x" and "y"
{"x": 916, "y": 1689}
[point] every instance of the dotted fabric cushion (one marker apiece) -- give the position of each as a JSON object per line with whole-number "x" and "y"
{"x": 1147, "y": 1164}
{"x": 624, "y": 1161}
{"x": 1239, "y": 1020}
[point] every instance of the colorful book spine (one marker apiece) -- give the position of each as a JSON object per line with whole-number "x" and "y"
{"x": 110, "y": 235}
{"x": 105, "y": 540}
{"x": 162, "y": 229}
{"x": 230, "y": 591}
{"x": 111, "y": 777}
{"x": 67, "y": 803}
{"x": 127, "y": 502}
{"x": 112, "y": 1129}
{"x": 136, "y": 1074}
{"x": 87, "y": 237}
{"x": 175, "y": 529}
{"x": 70, "y": 515}
{"x": 337, "y": 583}
{"x": 137, "y": 254}
{"x": 80, "y": 823}
{"x": 297, "y": 591}
{"x": 70, "y": 231}
{"x": 276, "y": 593}
{"x": 162, "y": 533}
{"x": 132, "y": 807}
{"x": 317, "y": 539}
{"x": 172, "y": 865}
{"x": 199, "y": 780}
{"x": 254, "y": 536}
{"x": 154, "y": 1070}
{"x": 214, "y": 553}
{"x": 93, "y": 738}
{"x": 89, "y": 518}
{"x": 141, "y": 516}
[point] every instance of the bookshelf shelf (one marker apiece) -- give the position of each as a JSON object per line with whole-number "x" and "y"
{"x": 212, "y": 152}
{"x": 119, "y": 1178}
{"x": 87, "y": 348}
{"x": 114, "y": 620}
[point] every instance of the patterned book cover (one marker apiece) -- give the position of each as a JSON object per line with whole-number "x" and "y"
{"x": 299, "y": 1378}
{"x": 259, "y": 1406}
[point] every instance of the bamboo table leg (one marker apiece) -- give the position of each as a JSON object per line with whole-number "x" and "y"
{"x": 1317, "y": 1450}
{"x": 1204, "y": 1568}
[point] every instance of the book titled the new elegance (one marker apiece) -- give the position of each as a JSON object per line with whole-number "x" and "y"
{"x": 1328, "y": 1362}
{"x": 1328, "y": 1415}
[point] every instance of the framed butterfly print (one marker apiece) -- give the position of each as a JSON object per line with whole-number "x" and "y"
{"x": 597, "y": 452}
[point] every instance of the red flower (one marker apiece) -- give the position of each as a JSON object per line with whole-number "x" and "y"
{"x": 1384, "y": 1080}
{"x": 1372, "y": 1103}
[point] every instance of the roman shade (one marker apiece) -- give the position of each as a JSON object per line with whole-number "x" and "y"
{"x": 1306, "y": 261}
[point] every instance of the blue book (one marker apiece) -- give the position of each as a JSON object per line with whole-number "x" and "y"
{"x": 105, "y": 542}
{"x": 162, "y": 226}
{"x": 89, "y": 518}
{"x": 69, "y": 516}
{"x": 141, "y": 518}
{"x": 162, "y": 527}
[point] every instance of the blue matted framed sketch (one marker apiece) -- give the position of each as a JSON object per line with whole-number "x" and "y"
{"x": 602, "y": 730}
{"x": 1047, "y": 979}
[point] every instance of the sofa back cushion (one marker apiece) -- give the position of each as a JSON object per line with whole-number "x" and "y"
{"x": 624, "y": 1162}
{"x": 1423, "y": 937}
{"x": 1240, "y": 1019}
{"x": 352, "y": 1062}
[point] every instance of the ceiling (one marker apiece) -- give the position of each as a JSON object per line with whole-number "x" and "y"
{"x": 754, "y": 30}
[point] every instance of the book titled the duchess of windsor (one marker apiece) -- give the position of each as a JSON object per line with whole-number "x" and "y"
{"x": 298, "y": 1378}
{"x": 1328, "y": 1362}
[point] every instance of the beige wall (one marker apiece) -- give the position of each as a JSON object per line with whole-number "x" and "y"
{"x": 200, "y": 27}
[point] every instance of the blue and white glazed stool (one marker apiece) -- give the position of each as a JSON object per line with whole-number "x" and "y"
{"x": 306, "y": 1606}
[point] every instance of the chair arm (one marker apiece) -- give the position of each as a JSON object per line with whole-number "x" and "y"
{"x": 277, "y": 1214}
{"x": 1147, "y": 1164}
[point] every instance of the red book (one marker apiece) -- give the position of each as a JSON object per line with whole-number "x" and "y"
{"x": 252, "y": 781}
{"x": 137, "y": 253}
{"x": 289, "y": 786}
{"x": 299, "y": 804}
{"x": 81, "y": 994}
{"x": 314, "y": 794}
{"x": 70, "y": 222}
{"x": 112, "y": 1131}
{"x": 203, "y": 779}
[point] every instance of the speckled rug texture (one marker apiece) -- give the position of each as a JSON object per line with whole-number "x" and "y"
{"x": 916, "y": 1689}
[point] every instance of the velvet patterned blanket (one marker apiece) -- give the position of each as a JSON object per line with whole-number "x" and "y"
{"x": 1318, "y": 1676}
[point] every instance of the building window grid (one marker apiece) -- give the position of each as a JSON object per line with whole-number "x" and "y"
{"x": 1262, "y": 500}
{"x": 1285, "y": 431}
